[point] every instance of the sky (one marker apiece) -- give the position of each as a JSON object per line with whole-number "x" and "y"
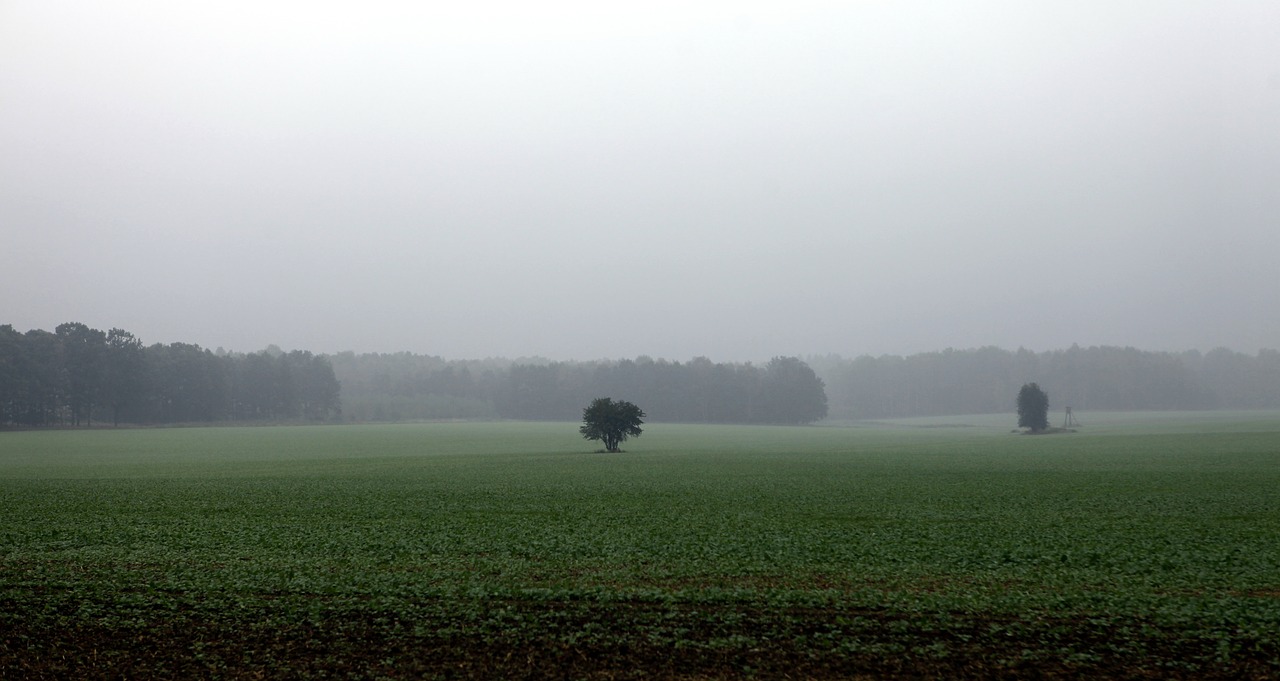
{"x": 585, "y": 180}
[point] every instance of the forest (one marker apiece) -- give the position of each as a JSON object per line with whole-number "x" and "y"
{"x": 77, "y": 375}
{"x": 1099, "y": 378}
{"x": 405, "y": 386}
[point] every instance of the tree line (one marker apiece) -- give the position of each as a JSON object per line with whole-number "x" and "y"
{"x": 77, "y": 375}
{"x": 1099, "y": 378}
{"x": 404, "y": 386}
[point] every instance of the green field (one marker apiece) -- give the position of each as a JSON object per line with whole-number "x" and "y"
{"x": 1145, "y": 546}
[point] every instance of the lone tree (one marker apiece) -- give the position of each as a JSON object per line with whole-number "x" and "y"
{"x": 1033, "y": 408}
{"x": 611, "y": 422}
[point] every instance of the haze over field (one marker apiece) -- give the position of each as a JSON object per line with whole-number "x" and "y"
{"x": 576, "y": 180}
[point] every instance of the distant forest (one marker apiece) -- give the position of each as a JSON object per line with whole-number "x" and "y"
{"x": 986, "y": 380}
{"x": 404, "y": 386}
{"x": 77, "y": 375}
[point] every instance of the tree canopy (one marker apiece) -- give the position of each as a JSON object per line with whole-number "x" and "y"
{"x": 791, "y": 393}
{"x": 77, "y": 373}
{"x": 1033, "y": 408}
{"x": 611, "y": 422}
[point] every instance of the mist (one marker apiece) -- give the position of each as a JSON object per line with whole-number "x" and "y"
{"x": 574, "y": 181}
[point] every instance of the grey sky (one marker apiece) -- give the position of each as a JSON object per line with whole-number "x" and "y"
{"x": 576, "y": 180}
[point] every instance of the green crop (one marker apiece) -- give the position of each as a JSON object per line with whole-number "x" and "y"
{"x": 1145, "y": 544}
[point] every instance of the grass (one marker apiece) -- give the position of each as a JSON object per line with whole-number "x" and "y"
{"x": 1145, "y": 545}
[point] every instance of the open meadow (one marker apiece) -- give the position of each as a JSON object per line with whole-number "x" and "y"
{"x": 1143, "y": 546}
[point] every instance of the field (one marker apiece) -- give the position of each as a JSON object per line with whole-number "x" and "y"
{"x": 1143, "y": 546}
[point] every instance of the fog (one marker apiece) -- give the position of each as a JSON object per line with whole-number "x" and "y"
{"x": 579, "y": 180}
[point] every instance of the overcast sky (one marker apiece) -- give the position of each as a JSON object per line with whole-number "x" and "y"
{"x": 584, "y": 180}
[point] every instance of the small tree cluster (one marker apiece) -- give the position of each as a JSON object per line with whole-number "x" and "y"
{"x": 1033, "y": 408}
{"x": 611, "y": 422}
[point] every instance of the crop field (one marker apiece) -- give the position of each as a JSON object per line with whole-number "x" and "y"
{"x": 1143, "y": 546}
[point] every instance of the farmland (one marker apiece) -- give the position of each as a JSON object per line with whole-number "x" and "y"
{"x": 1143, "y": 546}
